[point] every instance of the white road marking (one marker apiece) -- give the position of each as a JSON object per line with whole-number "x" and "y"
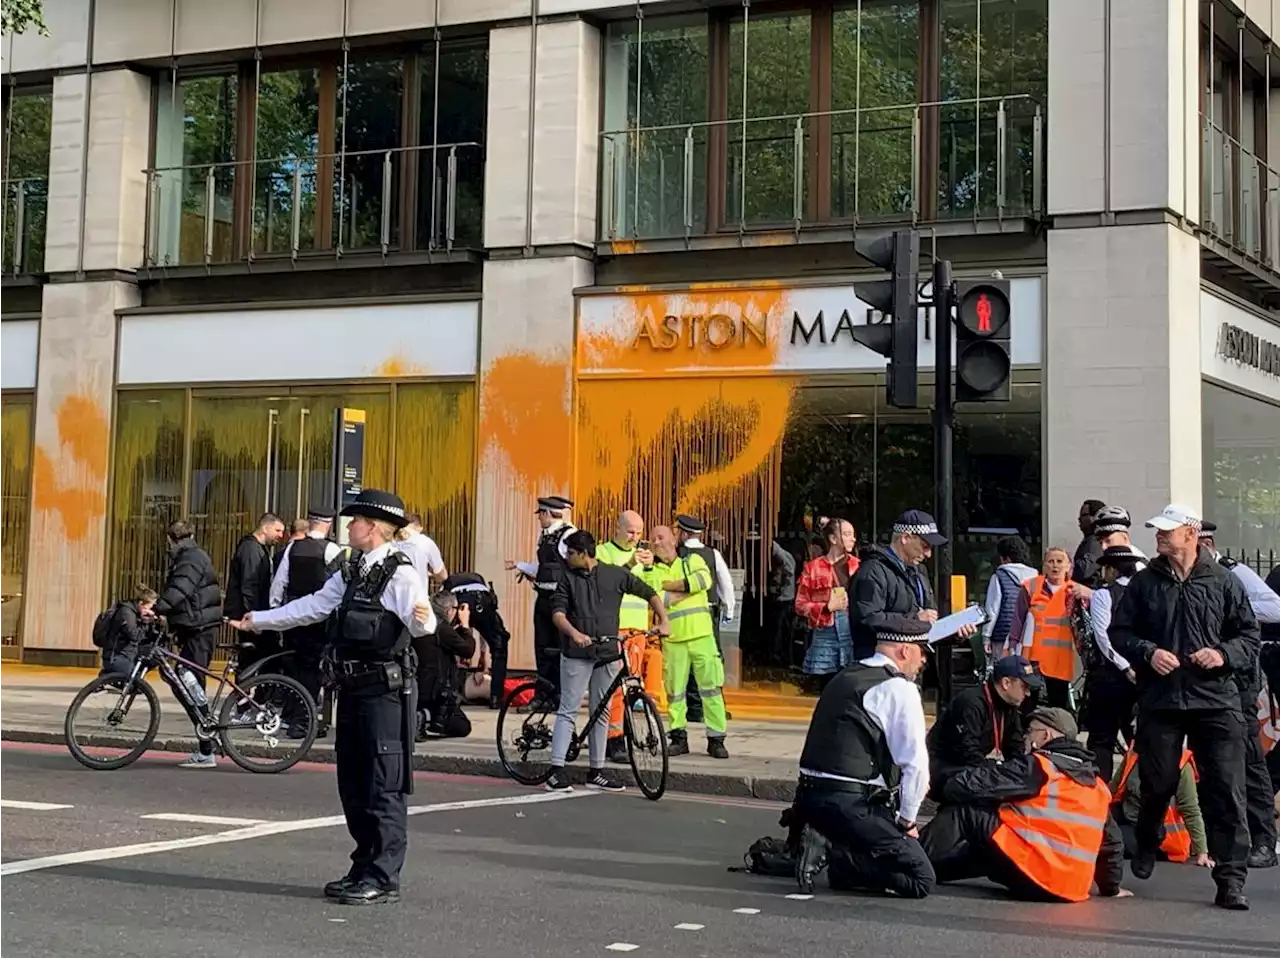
{"x": 801, "y": 897}
{"x": 338, "y": 921}
{"x": 32, "y": 806}
{"x": 746, "y": 911}
{"x": 262, "y": 831}
{"x": 621, "y": 946}
{"x": 203, "y": 819}
{"x": 688, "y": 926}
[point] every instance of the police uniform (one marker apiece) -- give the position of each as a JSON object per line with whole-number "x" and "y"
{"x": 719, "y": 597}
{"x": 550, "y": 566}
{"x": 864, "y": 773}
{"x": 370, "y": 607}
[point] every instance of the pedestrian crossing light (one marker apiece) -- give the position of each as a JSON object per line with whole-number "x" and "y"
{"x": 983, "y": 363}
{"x": 895, "y": 298}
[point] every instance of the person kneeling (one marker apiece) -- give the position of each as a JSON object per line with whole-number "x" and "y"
{"x": 1038, "y": 824}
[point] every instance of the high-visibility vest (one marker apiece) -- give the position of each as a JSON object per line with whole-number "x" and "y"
{"x": 1054, "y": 837}
{"x": 633, "y": 613}
{"x": 1053, "y": 645}
{"x": 1177, "y": 840}
{"x": 691, "y": 615}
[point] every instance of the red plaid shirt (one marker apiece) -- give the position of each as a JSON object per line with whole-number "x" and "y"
{"x": 813, "y": 592}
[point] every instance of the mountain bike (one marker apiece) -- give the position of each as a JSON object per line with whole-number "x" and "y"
{"x": 121, "y": 713}
{"x": 529, "y": 715}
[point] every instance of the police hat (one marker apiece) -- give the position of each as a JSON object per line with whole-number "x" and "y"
{"x": 554, "y": 503}
{"x": 916, "y": 522}
{"x": 1117, "y": 555}
{"x": 690, "y": 524}
{"x": 378, "y": 504}
{"x": 907, "y": 630}
{"x": 1207, "y": 529}
{"x": 1110, "y": 519}
{"x": 320, "y": 514}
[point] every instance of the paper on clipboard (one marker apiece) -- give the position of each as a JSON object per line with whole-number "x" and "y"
{"x": 951, "y": 624}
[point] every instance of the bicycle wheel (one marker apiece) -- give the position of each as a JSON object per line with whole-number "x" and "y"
{"x": 116, "y": 730}
{"x": 269, "y": 725}
{"x": 527, "y": 756}
{"x": 646, "y": 744}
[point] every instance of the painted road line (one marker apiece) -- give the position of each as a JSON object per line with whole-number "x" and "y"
{"x": 261, "y": 831}
{"x": 688, "y": 926}
{"x": 621, "y": 946}
{"x": 800, "y": 897}
{"x": 202, "y": 819}
{"x": 32, "y": 806}
{"x": 746, "y": 911}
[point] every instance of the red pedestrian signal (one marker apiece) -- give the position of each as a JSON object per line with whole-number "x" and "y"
{"x": 983, "y": 348}
{"x": 984, "y": 313}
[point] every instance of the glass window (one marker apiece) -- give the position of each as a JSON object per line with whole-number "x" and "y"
{"x": 288, "y": 141}
{"x": 874, "y": 67}
{"x": 28, "y": 119}
{"x": 769, "y": 70}
{"x": 15, "y": 424}
{"x": 371, "y": 170}
{"x": 657, "y": 78}
{"x": 1242, "y": 470}
{"x": 451, "y": 128}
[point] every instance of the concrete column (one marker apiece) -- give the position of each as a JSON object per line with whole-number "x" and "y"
{"x": 75, "y": 384}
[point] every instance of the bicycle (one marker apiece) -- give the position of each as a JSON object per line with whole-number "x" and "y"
{"x": 534, "y": 699}
{"x": 272, "y": 708}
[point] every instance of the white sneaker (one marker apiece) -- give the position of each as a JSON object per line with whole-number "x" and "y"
{"x": 196, "y": 760}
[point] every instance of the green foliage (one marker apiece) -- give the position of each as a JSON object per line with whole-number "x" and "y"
{"x": 19, "y": 16}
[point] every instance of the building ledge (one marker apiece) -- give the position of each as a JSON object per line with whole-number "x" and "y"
{"x": 1262, "y": 281}
{"x": 313, "y": 262}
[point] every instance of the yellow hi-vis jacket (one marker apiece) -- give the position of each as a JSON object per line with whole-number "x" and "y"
{"x": 634, "y": 611}
{"x": 690, "y": 613}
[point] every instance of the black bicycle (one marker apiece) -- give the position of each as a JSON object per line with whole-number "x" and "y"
{"x": 528, "y": 715}
{"x": 264, "y": 723}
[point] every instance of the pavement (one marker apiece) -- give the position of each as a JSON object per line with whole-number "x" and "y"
{"x": 153, "y": 861}
{"x": 34, "y": 701}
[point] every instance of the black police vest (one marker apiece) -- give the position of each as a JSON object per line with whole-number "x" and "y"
{"x": 843, "y": 738}
{"x": 709, "y": 557}
{"x": 307, "y": 569}
{"x": 360, "y": 628}
{"x": 550, "y": 562}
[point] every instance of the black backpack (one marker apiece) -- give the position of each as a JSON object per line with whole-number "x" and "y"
{"x": 770, "y": 856}
{"x": 103, "y": 625}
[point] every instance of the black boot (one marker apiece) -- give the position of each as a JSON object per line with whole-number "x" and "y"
{"x": 1231, "y": 897}
{"x": 1263, "y": 855}
{"x": 716, "y": 749}
{"x": 813, "y": 859}
{"x": 336, "y": 889}
{"x": 679, "y": 743}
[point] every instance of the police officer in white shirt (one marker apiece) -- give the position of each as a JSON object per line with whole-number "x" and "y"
{"x": 319, "y": 522}
{"x": 421, "y": 550}
{"x": 864, "y": 773}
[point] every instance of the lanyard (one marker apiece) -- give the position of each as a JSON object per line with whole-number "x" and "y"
{"x": 997, "y": 721}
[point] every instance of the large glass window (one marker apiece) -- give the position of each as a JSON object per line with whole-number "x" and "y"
{"x": 15, "y": 423}
{"x": 453, "y": 107}
{"x": 1241, "y": 452}
{"x": 288, "y": 172}
{"x": 370, "y": 174}
{"x": 28, "y": 116}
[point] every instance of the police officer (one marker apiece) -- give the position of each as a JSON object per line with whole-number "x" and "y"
{"x": 305, "y": 566}
{"x": 720, "y": 596}
{"x": 374, "y": 604}
{"x": 545, "y": 574}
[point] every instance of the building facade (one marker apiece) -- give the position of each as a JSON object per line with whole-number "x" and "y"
{"x": 605, "y": 249}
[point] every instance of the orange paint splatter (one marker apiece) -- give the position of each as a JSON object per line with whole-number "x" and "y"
{"x": 397, "y": 366}
{"x": 83, "y": 427}
{"x": 525, "y": 415}
{"x": 72, "y": 481}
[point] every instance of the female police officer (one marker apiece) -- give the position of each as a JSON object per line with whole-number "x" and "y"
{"x": 372, "y": 605}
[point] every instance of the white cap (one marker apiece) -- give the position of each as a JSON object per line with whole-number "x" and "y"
{"x": 1173, "y": 516}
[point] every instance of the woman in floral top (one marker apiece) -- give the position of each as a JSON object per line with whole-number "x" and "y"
{"x": 831, "y": 648}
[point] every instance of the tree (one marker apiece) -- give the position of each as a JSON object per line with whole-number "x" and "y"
{"x": 17, "y": 16}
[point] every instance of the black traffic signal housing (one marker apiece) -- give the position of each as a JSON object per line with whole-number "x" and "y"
{"x": 895, "y": 298}
{"x": 983, "y": 332}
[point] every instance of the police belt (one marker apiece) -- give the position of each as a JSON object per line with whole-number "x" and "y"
{"x": 874, "y": 794}
{"x": 353, "y": 675}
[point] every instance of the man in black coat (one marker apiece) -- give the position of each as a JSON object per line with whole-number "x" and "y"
{"x": 1187, "y": 629}
{"x": 249, "y": 581}
{"x": 983, "y": 722}
{"x": 191, "y": 603}
{"x": 962, "y": 840}
{"x": 1084, "y": 565}
{"x": 889, "y": 587}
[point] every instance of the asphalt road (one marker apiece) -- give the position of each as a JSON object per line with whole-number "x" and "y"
{"x": 496, "y": 870}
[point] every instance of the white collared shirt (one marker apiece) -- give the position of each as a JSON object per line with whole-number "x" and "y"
{"x": 1100, "y": 618}
{"x": 280, "y": 581}
{"x": 405, "y": 590}
{"x": 724, "y": 581}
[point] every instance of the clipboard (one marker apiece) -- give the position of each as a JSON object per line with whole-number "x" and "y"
{"x": 949, "y": 625}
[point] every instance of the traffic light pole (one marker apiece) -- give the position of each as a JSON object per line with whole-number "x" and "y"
{"x": 943, "y": 419}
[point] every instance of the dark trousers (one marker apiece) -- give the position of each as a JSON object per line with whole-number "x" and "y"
{"x": 959, "y": 844}
{"x": 691, "y": 695}
{"x": 1109, "y": 699}
{"x": 1259, "y": 791}
{"x": 1216, "y": 738}
{"x": 196, "y": 645}
{"x": 307, "y": 645}
{"x": 498, "y": 667}
{"x": 372, "y": 781}
{"x": 546, "y": 644}
{"x": 1057, "y": 693}
{"x": 867, "y": 850}
{"x": 265, "y": 644}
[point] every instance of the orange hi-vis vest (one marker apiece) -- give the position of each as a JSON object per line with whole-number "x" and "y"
{"x": 1177, "y": 840}
{"x": 1054, "y": 838}
{"x": 1053, "y": 645}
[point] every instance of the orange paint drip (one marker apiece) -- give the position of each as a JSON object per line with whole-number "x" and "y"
{"x": 525, "y": 416}
{"x": 397, "y": 366}
{"x": 81, "y": 501}
{"x": 83, "y": 427}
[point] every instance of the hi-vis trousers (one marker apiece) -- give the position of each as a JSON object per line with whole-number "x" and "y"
{"x": 708, "y": 671}
{"x": 646, "y": 662}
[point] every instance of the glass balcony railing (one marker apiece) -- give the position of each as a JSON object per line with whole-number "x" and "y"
{"x": 408, "y": 198}
{"x": 1239, "y": 197}
{"x": 26, "y": 208}
{"x": 811, "y": 169}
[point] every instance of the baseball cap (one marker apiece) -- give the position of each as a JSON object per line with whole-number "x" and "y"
{"x": 1060, "y": 720}
{"x": 1017, "y": 667}
{"x": 1173, "y": 516}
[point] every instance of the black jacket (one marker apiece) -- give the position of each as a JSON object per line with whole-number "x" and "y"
{"x": 1021, "y": 777}
{"x": 438, "y": 674}
{"x": 191, "y": 598}
{"x": 1084, "y": 566}
{"x": 248, "y": 579}
{"x": 882, "y": 593}
{"x": 965, "y": 733}
{"x": 1208, "y": 610}
{"x": 591, "y": 600}
{"x": 127, "y": 631}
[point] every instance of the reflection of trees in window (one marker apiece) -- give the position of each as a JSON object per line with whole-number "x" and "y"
{"x": 206, "y": 110}
{"x": 452, "y": 113}
{"x": 373, "y": 92}
{"x": 288, "y": 138}
{"x": 28, "y": 119}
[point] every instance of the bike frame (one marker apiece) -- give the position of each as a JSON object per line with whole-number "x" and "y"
{"x": 166, "y": 663}
{"x": 624, "y": 678}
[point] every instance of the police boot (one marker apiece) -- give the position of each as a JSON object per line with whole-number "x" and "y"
{"x": 813, "y": 859}
{"x": 1262, "y": 856}
{"x": 366, "y": 892}
{"x": 336, "y": 889}
{"x": 716, "y": 749}
{"x": 679, "y": 742}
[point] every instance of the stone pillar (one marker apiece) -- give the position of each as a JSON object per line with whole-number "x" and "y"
{"x": 75, "y": 383}
{"x": 526, "y": 434}
{"x": 1122, "y": 368}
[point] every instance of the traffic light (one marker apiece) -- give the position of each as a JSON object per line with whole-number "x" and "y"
{"x": 895, "y": 338}
{"x": 983, "y": 364}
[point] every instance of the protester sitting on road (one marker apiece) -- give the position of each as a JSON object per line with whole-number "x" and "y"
{"x": 128, "y": 629}
{"x": 1184, "y": 835}
{"x": 982, "y": 723}
{"x": 1037, "y": 823}
{"x": 475, "y": 595}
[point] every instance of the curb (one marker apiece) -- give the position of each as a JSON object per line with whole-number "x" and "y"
{"x": 697, "y": 783}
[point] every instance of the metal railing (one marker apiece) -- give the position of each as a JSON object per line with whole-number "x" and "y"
{"x": 26, "y": 208}
{"x": 1239, "y": 196}
{"x": 405, "y": 198}
{"x": 870, "y": 167}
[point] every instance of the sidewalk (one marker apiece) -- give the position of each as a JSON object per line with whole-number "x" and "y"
{"x": 34, "y": 701}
